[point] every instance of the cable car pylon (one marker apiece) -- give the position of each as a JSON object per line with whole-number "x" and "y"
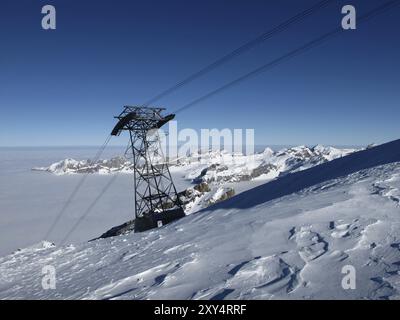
{"x": 156, "y": 200}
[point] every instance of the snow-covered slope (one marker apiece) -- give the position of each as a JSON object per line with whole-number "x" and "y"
{"x": 289, "y": 238}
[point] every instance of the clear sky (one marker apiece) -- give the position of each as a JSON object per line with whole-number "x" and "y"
{"x": 63, "y": 87}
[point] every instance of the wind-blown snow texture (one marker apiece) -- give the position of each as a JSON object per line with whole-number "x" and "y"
{"x": 288, "y": 238}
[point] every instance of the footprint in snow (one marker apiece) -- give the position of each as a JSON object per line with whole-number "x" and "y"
{"x": 309, "y": 243}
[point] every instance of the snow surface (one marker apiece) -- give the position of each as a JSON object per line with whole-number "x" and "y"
{"x": 288, "y": 238}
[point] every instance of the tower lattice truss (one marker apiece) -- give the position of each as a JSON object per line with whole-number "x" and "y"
{"x": 156, "y": 198}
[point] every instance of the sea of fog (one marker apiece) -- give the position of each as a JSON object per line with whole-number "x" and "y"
{"x": 30, "y": 200}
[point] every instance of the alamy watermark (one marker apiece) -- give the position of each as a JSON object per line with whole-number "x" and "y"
{"x": 349, "y": 280}
{"x": 49, "y": 19}
{"x": 186, "y": 142}
{"x": 349, "y": 21}
{"x": 48, "y": 277}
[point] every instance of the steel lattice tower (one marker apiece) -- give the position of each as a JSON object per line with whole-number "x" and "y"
{"x": 156, "y": 199}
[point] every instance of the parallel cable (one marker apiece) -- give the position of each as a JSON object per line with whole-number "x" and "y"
{"x": 76, "y": 189}
{"x": 89, "y": 209}
{"x": 242, "y": 49}
{"x": 92, "y": 205}
{"x": 379, "y": 10}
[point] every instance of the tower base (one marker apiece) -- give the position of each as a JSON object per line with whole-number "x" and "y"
{"x": 153, "y": 220}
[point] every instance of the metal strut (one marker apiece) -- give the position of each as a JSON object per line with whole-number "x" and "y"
{"x": 156, "y": 199}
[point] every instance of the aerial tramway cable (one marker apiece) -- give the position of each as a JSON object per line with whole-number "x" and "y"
{"x": 92, "y": 205}
{"x": 76, "y": 189}
{"x": 242, "y": 49}
{"x": 318, "y": 41}
{"x": 379, "y": 10}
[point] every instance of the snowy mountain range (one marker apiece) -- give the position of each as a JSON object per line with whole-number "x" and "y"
{"x": 214, "y": 174}
{"x": 290, "y": 237}
{"x": 219, "y": 165}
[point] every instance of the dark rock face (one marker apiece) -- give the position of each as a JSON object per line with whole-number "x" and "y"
{"x": 261, "y": 170}
{"x": 122, "y": 229}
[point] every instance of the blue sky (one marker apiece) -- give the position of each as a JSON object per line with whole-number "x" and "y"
{"x": 63, "y": 87}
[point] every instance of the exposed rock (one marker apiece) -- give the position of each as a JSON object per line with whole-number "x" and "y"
{"x": 263, "y": 169}
{"x": 221, "y": 194}
{"x": 202, "y": 187}
{"x": 124, "y": 228}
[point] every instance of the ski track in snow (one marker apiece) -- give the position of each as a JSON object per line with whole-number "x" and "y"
{"x": 293, "y": 247}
